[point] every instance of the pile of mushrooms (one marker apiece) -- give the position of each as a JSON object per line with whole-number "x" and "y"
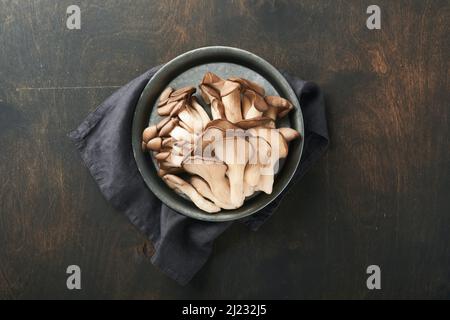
{"x": 221, "y": 160}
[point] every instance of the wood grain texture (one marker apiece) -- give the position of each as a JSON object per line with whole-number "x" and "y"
{"x": 379, "y": 196}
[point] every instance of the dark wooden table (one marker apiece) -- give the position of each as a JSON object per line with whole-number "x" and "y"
{"x": 379, "y": 196}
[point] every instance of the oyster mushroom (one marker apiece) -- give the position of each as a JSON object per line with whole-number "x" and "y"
{"x": 201, "y": 112}
{"x": 203, "y": 188}
{"x": 161, "y": 156}
{"x": 274, "y": 138}
{"x": 278, "y": 107}
{"x": 289, "y": 134}
{"x": 213, "y": 172}
{"x": 179, "y": 106}
{"x": 162, "y": 123}
{"x": 249, "y": 85}
{"x": 231, "y": 99}
{"x": 168, "y": 127}
{"x": 213, "y": 80}
{"x": 149, "y": 133}
{"x": 279, "y": 149}
{"x": 165, "y": 94}
{"x": 189, "y": 90}
{"x": 261, "y": 157}
{"x": 155, "y": 144}
{"x": 166, "y": 109}
{"x": 266, "y": 180}
{"x": 183, "y": 187}
{"x": 209, "y": 94}
{"x": 235, "y": 153}
{"x": 255, "y": 105}
{"x": 167, "y": 142}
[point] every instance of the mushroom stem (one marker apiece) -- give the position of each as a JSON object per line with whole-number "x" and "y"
{"x": 235, "y": 152}
{"x": 232, "y": 101}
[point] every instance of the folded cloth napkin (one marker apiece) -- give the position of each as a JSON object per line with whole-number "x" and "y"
{"x": 182, "y": 245}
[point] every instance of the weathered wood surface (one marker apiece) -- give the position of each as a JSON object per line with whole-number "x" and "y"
{"x": 379, "y": 196}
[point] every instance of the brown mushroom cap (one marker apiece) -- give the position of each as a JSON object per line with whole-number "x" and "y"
{"x": 162, "y": 123}
{"x": 168, "y": 127}
{"x": 214, "y": 81}
{"x": 249, "y": 84}
{"x": 179, "y": 106}
{"x": 162, "y": 155}
{"x": 279, "y": 107}
{"x": 155, "y": 144}
{"x": 273, "y": 137}
{"x": 149, "y": 133}
{"x": 189, "y": 90}
{"x": 289, "y": 134}
{"x": 229, "y": 87}
{"x": 165, "y": 94}
{"x": 166, "y": 109}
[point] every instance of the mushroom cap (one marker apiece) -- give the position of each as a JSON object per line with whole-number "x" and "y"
{"x": 188, "y": 90}
{"x": 166, "y": 109}
{"x": 249, "y": 84}
{"x": 155, "y": 144}
{"x": 211, "y": 77}
{"x": 256, "y": 100}
{"x": 162, "y": 155}
{"x": 162, "y": 123}
{"x": 168, "y": 127}
{"x": 289, "y": 134}
{"x": 273, "y": 137}
{"x": 149, "y": 133}
{"x": 177, "y": 108}
{"x": 165, "y": 94}
{"x": 229, "y": 87}
{"x": 214, "y": 81}
{"x": 279, "y": 106}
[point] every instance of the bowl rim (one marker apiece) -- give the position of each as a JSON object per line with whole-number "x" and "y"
{"x": 183, "y": 60}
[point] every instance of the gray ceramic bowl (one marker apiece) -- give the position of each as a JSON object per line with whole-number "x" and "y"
{"x": 188, "y": 69}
